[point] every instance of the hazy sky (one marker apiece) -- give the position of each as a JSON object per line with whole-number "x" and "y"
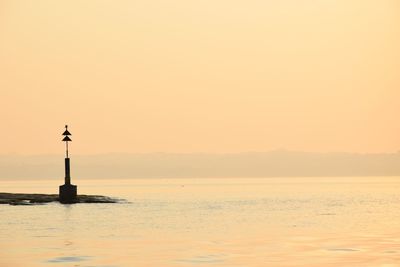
{"x": 200, "y": 76}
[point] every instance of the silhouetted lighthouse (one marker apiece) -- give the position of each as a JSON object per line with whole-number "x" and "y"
{"x": 68, "y": 191}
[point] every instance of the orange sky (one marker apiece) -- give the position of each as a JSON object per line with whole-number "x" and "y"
{"x": 200, "y": 76}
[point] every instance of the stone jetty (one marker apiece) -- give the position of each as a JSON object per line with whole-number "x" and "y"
{"x": 35, "y": 199}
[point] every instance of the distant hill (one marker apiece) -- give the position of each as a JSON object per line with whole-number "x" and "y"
{"x": 279, "y": 163}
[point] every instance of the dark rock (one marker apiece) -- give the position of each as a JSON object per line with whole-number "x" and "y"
{"x": 35, "y": 199}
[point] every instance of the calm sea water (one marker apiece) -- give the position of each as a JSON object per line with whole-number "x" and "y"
{"x": 208, "y": 222}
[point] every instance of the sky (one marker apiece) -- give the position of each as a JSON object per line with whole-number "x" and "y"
{"x": 206, "y": 76}
{"x": 276, "y": 163}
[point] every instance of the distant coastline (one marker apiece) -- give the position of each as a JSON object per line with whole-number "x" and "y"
{"x": 279, "y": 163}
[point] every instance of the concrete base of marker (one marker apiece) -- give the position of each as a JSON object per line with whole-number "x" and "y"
{"x": 68, "y": 193}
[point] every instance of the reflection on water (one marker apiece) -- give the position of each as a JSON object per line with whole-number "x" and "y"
{"x": 209, "y": 222}
{"x": 203, "y": 259}
{"x": 68, "y": 259}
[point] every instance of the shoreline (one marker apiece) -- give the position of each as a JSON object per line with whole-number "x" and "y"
{"x": 37, "y": 199}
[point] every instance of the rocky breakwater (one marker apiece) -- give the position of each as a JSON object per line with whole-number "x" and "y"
{"x": 35, "y": 199}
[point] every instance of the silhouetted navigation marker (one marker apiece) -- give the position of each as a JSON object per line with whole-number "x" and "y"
{"x": 68, "y": 191}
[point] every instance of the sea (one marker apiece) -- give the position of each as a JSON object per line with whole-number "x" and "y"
{"x": 308, "y": 221}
